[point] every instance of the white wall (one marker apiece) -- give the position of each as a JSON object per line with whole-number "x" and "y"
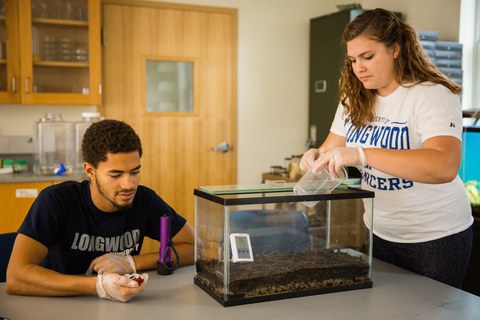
{"x": 272, "y": 73}
{"x": 18, "y": 120}
{"x": 439, "y": 15}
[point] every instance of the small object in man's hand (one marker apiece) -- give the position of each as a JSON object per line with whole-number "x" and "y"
{"x": 136, "y": 277}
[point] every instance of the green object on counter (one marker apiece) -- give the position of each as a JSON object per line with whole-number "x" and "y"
{"x": 17, "y": 165}
{"x": 473, "y": 192}
{"x": 7, "y": 163}
{"x": 20, "y": 165}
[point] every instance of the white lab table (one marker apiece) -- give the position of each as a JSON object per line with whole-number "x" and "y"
{"x": 396, "y": 294}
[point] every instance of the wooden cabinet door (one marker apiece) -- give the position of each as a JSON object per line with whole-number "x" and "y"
{"x": 16, "y": 200}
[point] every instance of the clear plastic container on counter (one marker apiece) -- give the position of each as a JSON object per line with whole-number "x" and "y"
{"x": 53, "y": 146}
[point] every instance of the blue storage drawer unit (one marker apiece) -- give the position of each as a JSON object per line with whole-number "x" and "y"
{"x": 470, "y": 166}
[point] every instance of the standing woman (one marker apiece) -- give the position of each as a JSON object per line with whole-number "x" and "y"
{"x": 400, "y": 120}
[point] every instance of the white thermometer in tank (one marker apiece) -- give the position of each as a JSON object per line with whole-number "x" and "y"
{"x": 241, "y": 247}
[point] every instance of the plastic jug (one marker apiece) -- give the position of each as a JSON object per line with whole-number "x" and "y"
{"x": 53, "y": 146}
{"x": 80, "y": 127}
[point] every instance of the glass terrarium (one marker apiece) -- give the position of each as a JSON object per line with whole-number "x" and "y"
{"x": 265, "y": 243}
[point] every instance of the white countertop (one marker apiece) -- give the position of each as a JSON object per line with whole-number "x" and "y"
{"x": 396, "y": 294}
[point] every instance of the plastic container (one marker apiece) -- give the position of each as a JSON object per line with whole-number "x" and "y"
{"x": 318, "y": 183}
{"x": 80, "y": 127}
{"x": 53, "y": 146}
{"x": 428, "y": 35}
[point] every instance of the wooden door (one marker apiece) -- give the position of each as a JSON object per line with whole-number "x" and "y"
{"x": 178, "y": 146}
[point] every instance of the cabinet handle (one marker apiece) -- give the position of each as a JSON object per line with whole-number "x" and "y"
{"x": 320, "y": 86}
{"x": 14, "y": 84}
{"x": 27, "y": 83}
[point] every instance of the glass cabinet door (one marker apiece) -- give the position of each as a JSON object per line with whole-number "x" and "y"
{"x": 9, "y": 59}
{"x": 3, "y": 53}
{"x": 60, "y": 60}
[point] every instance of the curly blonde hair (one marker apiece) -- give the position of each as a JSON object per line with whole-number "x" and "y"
{"x": 411, "y": 67}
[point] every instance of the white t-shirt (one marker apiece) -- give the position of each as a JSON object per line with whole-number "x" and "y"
{"x": 407, "y": 211}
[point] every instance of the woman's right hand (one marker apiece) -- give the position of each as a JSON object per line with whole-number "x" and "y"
{"x": 308, "y": 159}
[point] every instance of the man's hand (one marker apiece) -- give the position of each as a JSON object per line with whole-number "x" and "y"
{"x": 119, "y": 288}
{"x": 111, "y": 262}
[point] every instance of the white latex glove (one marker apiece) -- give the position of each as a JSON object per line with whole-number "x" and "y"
{"x": 309, "y": 158}
{"x": 115, "y": 287}
{"x": 111, "y": 262}
{"x": 340, "y": 157}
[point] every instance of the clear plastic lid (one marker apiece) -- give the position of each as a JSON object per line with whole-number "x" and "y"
{"x": 87, "y": 116}
{"x": 52, "y": 117}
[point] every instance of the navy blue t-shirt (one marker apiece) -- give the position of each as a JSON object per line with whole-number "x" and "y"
{"x": 65, "y": 220}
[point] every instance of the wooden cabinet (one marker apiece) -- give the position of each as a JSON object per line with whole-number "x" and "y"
{"x": 51, "y": 52}
{"x": 16, "y": 199}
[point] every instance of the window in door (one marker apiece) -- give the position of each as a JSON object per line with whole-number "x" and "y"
{"x": 169, "y": 86}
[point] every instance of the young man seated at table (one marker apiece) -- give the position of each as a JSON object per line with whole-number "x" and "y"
{"x": 95, "y": 226}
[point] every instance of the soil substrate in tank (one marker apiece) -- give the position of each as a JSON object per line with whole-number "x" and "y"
{"x": 284, "y": 275}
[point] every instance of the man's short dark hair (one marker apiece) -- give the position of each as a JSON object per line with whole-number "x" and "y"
{"x": 108, "y": 136}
